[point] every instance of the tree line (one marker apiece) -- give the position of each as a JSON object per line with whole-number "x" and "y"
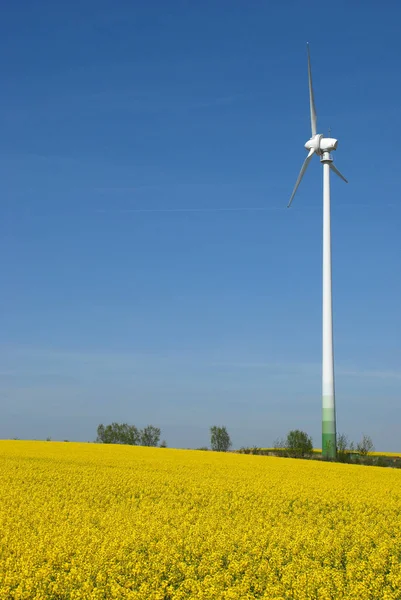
{"x": 123, "y": 433}
{"x": 297, "y": 443}
{"x": 130, "y": 435}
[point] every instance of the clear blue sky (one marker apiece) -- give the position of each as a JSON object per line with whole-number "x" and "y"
{"x": 150, "y": 270}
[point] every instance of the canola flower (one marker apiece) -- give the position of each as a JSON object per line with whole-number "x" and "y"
{"x": 83, "y": 521}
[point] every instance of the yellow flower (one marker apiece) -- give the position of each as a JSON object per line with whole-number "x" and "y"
{"x": 89, "y": 521}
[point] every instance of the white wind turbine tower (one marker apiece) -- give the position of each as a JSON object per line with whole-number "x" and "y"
{"x": 322, "y": 146}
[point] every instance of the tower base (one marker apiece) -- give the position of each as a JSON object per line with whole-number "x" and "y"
{"x": 329, "y": 445}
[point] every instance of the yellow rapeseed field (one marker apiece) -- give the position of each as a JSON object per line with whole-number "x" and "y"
{"x": 82, "y": 521}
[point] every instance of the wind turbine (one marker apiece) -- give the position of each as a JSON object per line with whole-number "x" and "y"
{"x": 322, "y": 146}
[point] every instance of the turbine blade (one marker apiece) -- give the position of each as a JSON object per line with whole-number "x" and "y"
{"x": 337, "y": 172}
{"x": 313, "y": 117}
{"x": 301, "y": 174}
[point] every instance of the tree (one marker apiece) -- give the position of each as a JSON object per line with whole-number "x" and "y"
{"x": 365, "y": 446}
{"x": 100, "y": 434}
{"x": 298, "y": 444}
{"x": 344, "y": 448}
{"x": 123, "y": 433}
{"x": 150, "y": 436}
{"x": 118, "y": 433}
{"x": 129, "y": 434}
{"x": 219, "y": 439}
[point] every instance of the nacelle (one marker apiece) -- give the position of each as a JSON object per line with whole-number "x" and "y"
{"x": 328, "y": 144}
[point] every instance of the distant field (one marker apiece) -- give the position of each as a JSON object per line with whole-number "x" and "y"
{"x": 315, "y": 450}
{"x": 390, "y": 454}
{"x": 319, "y": 451}
{"x": 83, "y": 521}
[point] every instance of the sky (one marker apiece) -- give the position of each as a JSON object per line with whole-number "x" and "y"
{"x": 151, "y": 272}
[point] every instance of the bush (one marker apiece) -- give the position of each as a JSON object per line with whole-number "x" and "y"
{"x": 279, "y": 447}
{"x": 253, "y": 450}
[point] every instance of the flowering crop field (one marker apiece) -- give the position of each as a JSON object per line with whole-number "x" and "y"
{"x": 81, "y": 521}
